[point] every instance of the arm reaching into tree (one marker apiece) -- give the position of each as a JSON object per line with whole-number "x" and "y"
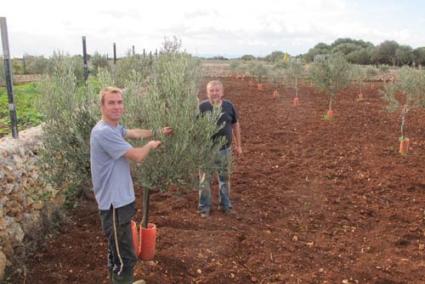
{"x": 138, "y": 133}
{"x": 140, "y": 153}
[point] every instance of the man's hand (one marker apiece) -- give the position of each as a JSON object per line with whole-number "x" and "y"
{"x": 154, "y": 144}
{"x": 167, "y": 131}
{"x": 238, "y": 150}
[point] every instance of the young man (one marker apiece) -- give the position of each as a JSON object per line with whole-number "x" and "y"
{"x": 112, "y": 183}
{"x": 230, "y": 129}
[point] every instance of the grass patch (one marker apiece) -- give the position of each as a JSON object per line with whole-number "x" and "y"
{"x": 26, "y": 96}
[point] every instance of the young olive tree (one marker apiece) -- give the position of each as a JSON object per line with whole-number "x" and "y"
{"x": 411, "y": 83}
{"x": 294, "y": 72}
{"x": 258, "y": 70}
{"x": 169, "y": 98}
{"x": 277, "y": 75}
{"x": 70, "y": 110}
{"x": 358, "y": 75}
{"x": 330, "y": 74}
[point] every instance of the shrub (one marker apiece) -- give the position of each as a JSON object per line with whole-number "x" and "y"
{"x": 97, "y": 62}
{"x": 70, "y": 111}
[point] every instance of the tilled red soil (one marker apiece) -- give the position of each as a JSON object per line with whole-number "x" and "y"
{"x": 315, "y": 201}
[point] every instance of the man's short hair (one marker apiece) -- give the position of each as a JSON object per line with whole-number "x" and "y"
{"x": 108, "y": 90}
{"x": 215, "y": 83}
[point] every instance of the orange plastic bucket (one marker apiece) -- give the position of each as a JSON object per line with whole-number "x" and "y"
{"x": 275, "y": 94}
{"x": 330, "y": 114}
{"x": 296, "y": 101}
{"x": 404, "y": 146}
{"x": 144, "y": 240}
{"x": 148, "y": 242}
{"x": 260, "y": 87}
{"x": 135, "y": 235}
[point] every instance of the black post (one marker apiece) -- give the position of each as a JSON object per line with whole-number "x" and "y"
{"x": 8, "y": 78}
{"x": 144, "y": 53}
{"x": 115, "y": 53}
{"x": 145, "y": 208}
{"x": 86, "y": 67}
{"x": 133, "y": 50}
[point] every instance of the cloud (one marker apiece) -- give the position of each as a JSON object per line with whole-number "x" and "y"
{"x": 221, "y": 27}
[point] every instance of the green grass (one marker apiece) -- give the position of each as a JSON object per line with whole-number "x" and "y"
{"x": 26, "y": 96}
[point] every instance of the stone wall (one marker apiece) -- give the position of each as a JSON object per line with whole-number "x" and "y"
{"x": 26, "y": 202}
{"x": 21, "y": 79}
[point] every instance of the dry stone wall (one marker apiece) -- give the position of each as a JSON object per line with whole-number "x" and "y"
{"x": 26, "y": 202}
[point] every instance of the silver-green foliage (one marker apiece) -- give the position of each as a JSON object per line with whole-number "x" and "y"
{"x": 295, "y": 71}
{"x": 130, "y": 64}
{"x": 277, "y": 75}
{"x": 70, "y": 111}
{"x": 98, "y": 62}
{"x": 170, "y": 99}
{"x": 258, "y": 70}
{"x": 411, "y": 82}
{"x": 358, "y": 74}
{"x": 330, "y": 74}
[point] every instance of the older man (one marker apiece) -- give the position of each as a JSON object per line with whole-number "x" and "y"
{"x": 230, "y": 129}
{"x": 112, "y": 183}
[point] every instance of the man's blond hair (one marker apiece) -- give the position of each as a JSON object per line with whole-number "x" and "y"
{"x": 108, "y": 90}
{"x": 215, "y": 83}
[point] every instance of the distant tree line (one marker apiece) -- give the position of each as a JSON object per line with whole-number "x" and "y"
{"x": 358, "y": 52}
{"x": 355, "y": 51}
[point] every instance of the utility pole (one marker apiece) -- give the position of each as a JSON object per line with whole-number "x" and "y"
{"x": 86, "y": 67}
{"x": 8, "y": 78}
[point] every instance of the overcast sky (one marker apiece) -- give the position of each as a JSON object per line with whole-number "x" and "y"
{"x": 207, "y": 28}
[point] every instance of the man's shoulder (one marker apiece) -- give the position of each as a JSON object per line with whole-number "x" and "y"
{"x": 228, "y": 104}
{"x": 204, "y": 103}
{"x": 102, "y": 128}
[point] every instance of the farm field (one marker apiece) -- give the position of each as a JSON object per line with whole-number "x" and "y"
{"x": 25, "y": 96}
{"x": 315, "y": 201}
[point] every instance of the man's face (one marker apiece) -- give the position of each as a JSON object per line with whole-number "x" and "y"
{"x": 215, "y": 93}
{"x": 112, "y": 107}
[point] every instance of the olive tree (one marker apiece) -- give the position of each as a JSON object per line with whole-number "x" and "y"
{"x": 330, "y": 74}
{"x": 411, "y": 83}
{"x": 358, "y": 75}
{"x": 168, "y": 97}
{"x": 293, "y": 74}
{"x": 258, "y": 70}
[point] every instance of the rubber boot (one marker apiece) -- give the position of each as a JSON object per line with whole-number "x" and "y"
{"x": 122, "y": 279}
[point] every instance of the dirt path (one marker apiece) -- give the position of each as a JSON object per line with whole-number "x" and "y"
{"x": 316, "y": 202}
